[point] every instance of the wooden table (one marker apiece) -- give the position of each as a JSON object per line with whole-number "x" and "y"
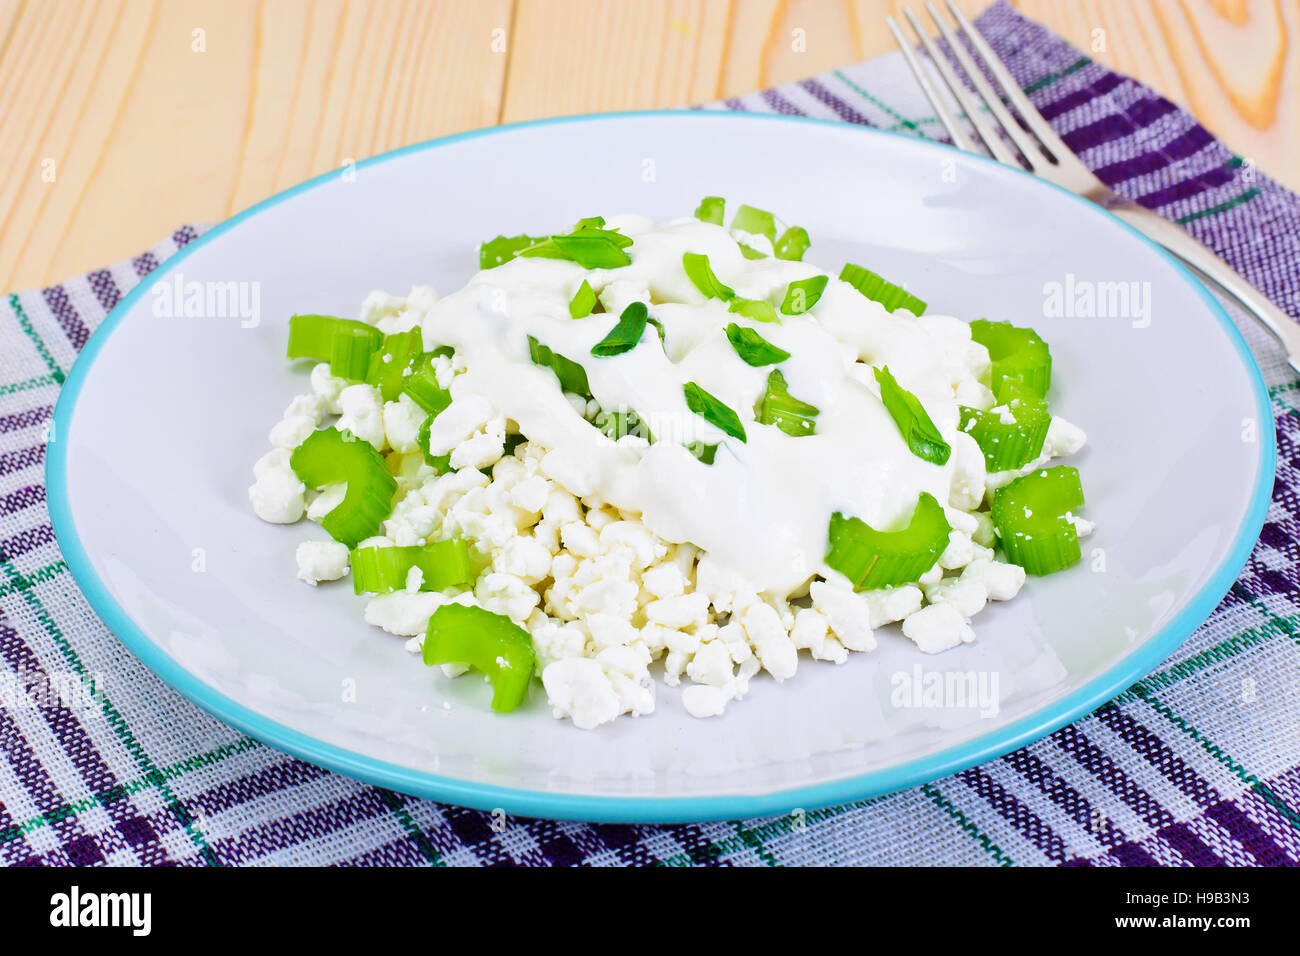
{"x": 121, "y": 119}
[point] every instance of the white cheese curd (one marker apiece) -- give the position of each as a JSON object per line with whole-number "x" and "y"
{"x": 617, "y": 553}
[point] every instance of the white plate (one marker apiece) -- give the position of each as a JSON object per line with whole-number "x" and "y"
{"x": 161, "y": 418}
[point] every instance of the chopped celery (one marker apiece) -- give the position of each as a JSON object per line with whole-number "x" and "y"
{"x": 388, "y": 365}
{"x": 442, "y": 564}
{"x": 1015, "y": 353}
{"x": 312, "y": 336}
{"x": 490, "y": 643}
{"x": 1012, "y": 444}
{"x": 794, "y": 242}
{"x": 329, "y": 456}
{"x": 422, "y": 385}
{"x": 892, "y": 297}
{"x": 759, "y": 310}
{"x": 1029, "y": 515}
{"x": 711, "y": 209}
{"x": 758, "y": 222}
{"x": 876, "y": 559}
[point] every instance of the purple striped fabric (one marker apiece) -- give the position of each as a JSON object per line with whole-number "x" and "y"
{"x": 1197, "y": 764}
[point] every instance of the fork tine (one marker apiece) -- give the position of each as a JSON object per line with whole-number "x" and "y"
{"x": 1029, "y": 149}
{"x": 1055, "y": 147}
{"x": 959, "y": 92}
{"x": 960, "y": 138}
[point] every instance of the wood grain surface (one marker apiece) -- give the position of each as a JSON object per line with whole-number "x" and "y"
{"x": 121, "y": 119}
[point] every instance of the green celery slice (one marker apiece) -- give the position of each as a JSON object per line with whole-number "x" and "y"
{"x": 802, "y": 294}
{"x": 758, "y": 222}
{"x": 443, "y": 564}
{"x": 749, "y": 252}
{"x": 312, "y": 336}
{"x": 713, "y": 410}
{"x": 388, "y": 365}
{"x": 1029, "y": 515}
{"x": 703, "y": 451}
{"x": 1015, "y": 353}
{"x": 878, "y": 559}
{"x": 584, "y": 300}
{"x": 914, "y": 423}
{"x": 1008, "y": 445}
{"x": 711, "y": 209}
{"x": 422, "y": 385}
{"x": 589, "y": 222}
{"x": 701, "y": 275}
{"x": 892, "y": 297}
{"x": 490, "y": 643}
{"x": 440, "y": 463}
{"x": 794, "y": 242}
{"x": 625, "y": 334}
{"x": 331, "y": 455}
{"x": 778, "y": 407}
{"x": 753, "y": 348}
{"x": 760, "y": 310}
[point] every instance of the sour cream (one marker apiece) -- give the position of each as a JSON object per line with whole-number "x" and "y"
{"x": 763, "y": 507}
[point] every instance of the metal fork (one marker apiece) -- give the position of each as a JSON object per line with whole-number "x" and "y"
{"x": 1044, "y": 154}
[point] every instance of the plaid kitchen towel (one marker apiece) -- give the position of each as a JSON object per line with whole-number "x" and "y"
{"x": 1199, "y": 763}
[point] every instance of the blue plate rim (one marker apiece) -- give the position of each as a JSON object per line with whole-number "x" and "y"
{"x": 646, "y": 808}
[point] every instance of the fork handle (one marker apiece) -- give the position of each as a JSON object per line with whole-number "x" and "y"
{"x": 1207, "y": 264}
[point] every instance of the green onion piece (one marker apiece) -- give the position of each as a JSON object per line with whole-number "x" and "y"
{"x": 892, "y": 297}
{"x": 312, "y": 336}
{"x": 802, "y": 295}
{"x": 757, "y": 222}
{"x": 440, "y": 463}
{"x": 704, "y": 452}
{"x": 778, "y": 407}
{"x": 713, "y": 411}
{"x": 389, "y": 364}
{"x": 590, "y": 248}
{"x": 442, "y": 564}
{"x": 584, "y": 300}
{"x": 1029, "y": 515}
{"x": 711, "y": 209}
{"x": 614, "y": 425}
{"x": 572, "y": 376}
{"x": 350, "y": 352}
{"x": 502, "y": 249}
{"x": 490, "y": 643}
{"x": 749, "y": 252}
{"x": 794, "y": 242}
{"x": 753, "y": 348}
{"x": 701, "y": 275}
{"x": 879, "y": 559}
{"x": 915, "y": 424}
{"x": 760, "y": 310}
{"x": 422, "y": 385}
{"x": 589, "y": 222}
{"x": 331, "y": 455}
{"x": 1009, "y": 445}
{"x": 1015, "y": 353}
{"x": 625, "y": 334}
